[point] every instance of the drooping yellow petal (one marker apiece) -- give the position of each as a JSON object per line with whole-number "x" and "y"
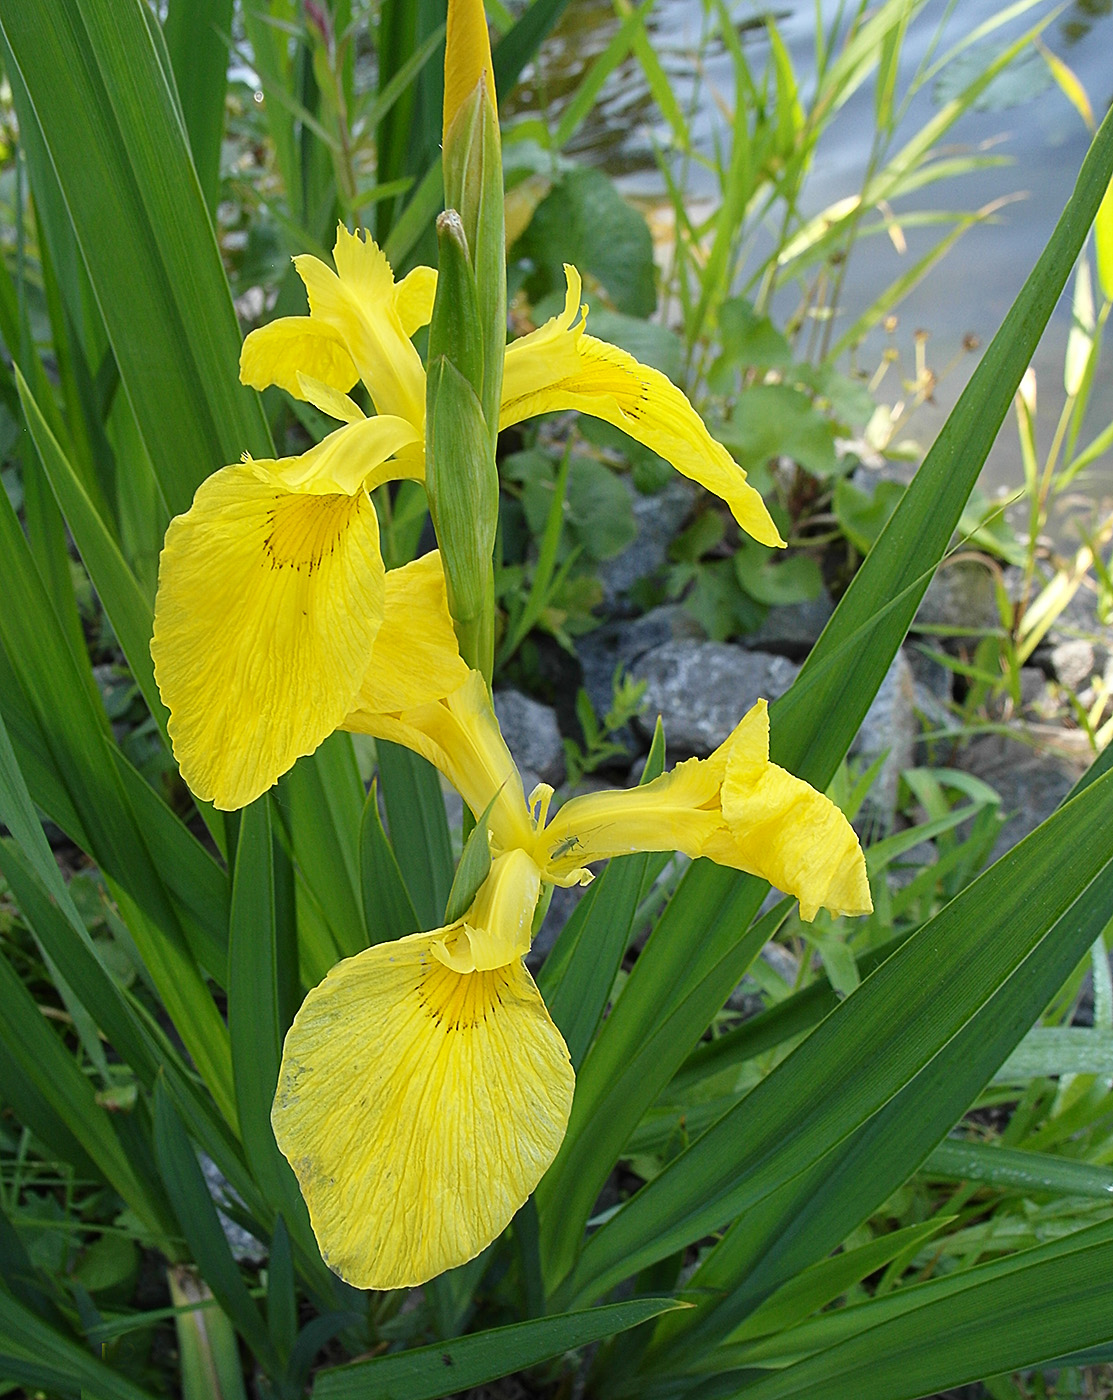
{"x": 735, "y": 808}
{"x": 460, "y": 736}
{"x": 559, "y": 366}
{"x": 419, "y": 1107}
{"x": 277, "y": 353}
{"x": 784, "y": 830}
{"x": 358, "y": 302}
{"x": 416, "y": 658}
{"x": 329, "y": 400}
{"x": 353, "y": 458}
{"x": 496, "y": 930}
{"x": 467, "y": 57}
{"x": 679, "y": 811}
{"x": 268, "y": 605}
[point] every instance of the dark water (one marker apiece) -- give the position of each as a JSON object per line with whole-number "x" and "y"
{"x": 970, "y": 291}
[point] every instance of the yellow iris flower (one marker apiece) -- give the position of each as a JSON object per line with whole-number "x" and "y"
{"x": 271, "y": 585}
{"x": 424, "y": 1089}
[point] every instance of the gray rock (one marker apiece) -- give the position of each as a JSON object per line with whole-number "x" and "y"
{"x": 1076, "y": 662}
{"x": 244, "y": 1246}
{"x": 1034, "y": 691}
{"x": 531, "y": 733}
{"x": 702, "y": 689}
{"x": 1031, "y": 783}
{"x": 930, "y": 675}
{"x": 560, "y": 910}
{"x": 793, "y": 629}
{"x": 890, "y": 728}
{"x": 961, "y": 594}
{"x": 659, "y": 519}
{"x": 617, "y": 645}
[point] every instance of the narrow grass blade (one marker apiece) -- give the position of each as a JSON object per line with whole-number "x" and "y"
{"x": 1035, "y": 1173}
{"x": 71, "y": 1368}
{"x": 428, "y": 1373}
{"x": 116, "y": 142}
{"x": 998, "y": 1321}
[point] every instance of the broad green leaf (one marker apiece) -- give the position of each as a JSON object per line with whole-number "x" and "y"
{"x": 418, "y": 828}
{"x": 996, "y": 1321}
{"x": 834, "y": 1083}
{"x": 321, "y": 799}
{"x": 427, "y": 1373}
{"x": 585, "y": 221}
{"x": 200, "y": 1224}
{"x": 195, "y": 39}
{"x": 263, "y": 992}
{"x": 812, "y": 726}
{"x": 567, "y": 1192}
{"x": 808, "y": 1217}
{"x": 1031, "y": 1172}
{"x": 388, "y": 910}
{"x": 116, "y": 142}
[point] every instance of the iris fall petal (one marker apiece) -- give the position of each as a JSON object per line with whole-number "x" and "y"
{"x": 419, "y": 1107}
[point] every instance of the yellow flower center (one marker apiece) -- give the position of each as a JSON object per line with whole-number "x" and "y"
{"x": 460, "y": 1000}
{"x": 303, "y": 529}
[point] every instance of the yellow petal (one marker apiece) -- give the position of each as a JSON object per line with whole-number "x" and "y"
{"x": 358, "y": 303}
{"x": 559, "y": 366}
{"x": 419, "y": 1108}
{"x": 268, "y": 605}
{"x": 496, "y": 929}
{"x": 679, "y": 811}
{"x": 467, "y": 57}
{"x": 416, "y": 658}
{"x": 277, "y": 353}
{"x": 329, "y": 400}
{"x": 413, "y": 299}
{"x": 782, "y": 829}
{"x": 460, "y": 736}
{"x": 353, "y": 458}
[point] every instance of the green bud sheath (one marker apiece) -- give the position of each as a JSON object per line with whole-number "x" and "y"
{"x": 473, "y": 183}
{"x": 463, "y": 488}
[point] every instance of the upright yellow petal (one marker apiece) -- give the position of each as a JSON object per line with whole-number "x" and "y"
{"x": 358, "y": 303}
{"x": 467, "y": 57}
{"x": 416, "y": 658}
{"x": 496, "y": 929}
{"x": 460, "y": 736}
{"x": 293, "y": 345}
{"x": 413, "y": 299}
{"x": 268, "y": 605}
{"x": 784, "y": 830}
{"x": 419, "y": 1108}
{"x": 560, "y": 367}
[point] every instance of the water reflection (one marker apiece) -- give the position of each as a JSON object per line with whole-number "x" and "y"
{"x": 971, "y": 291}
